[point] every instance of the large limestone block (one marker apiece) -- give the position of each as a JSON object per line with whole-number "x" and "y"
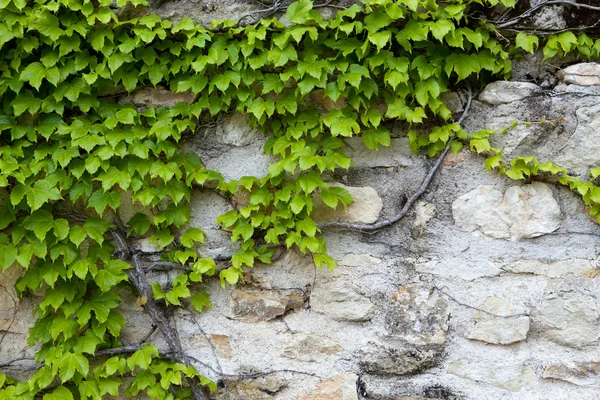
{"x": 393, "y": 356}
{"x": 499, "y": 322}
{"x": 340, "y": 387}
{"x": 569, "y": 314}
{"x": 584, "y": 74}
{"x": 254, "y": 305}
{"x": 418, "y": 315}
{"x": 521, "y": 212}
{"x": 365, "y": 210}
{"x": 504, "y": 92}
{"x": 310, "y": 348}
{"x": 577, "y": 373}
{"x": 577, "y": 267}
{"x": 461, "y": 268}
{"x": 582, "y": 150}
{"x": 513, "y": 377}
{"x": 341, "y": 300}
{"x": 236, "y": 131}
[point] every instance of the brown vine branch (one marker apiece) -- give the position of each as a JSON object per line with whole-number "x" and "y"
{"x": 530, "y": 11}
{"x": 372, "y": 228}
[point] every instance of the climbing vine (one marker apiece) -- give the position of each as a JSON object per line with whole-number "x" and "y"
{"x": 69, "y": 154}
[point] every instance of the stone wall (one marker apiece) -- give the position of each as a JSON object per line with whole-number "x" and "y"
{"x": 487, "y": 289}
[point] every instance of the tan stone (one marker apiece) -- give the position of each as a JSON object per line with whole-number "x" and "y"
{"x": 576, "y": 267}
{"x": 341, "y": 300}
{"x": 310, "y": 348}
{"x": 340, "y": 387}
{"x": 513, "y": 377}
{"x": 577, "y": 373}
{"x": 583, "y": 74}
{"x": 261, "y": 388}
{"x": 366, "y": 207}
{"x": 500, "y": 322}
{"x": 253, "y": 305}
{"x": 359, "y": 260}
{"x": 156, "y": 97}
{"x": 220, "y": 343}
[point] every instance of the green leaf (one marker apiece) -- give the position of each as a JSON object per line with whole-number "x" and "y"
{"x": 142, "y": 358}
{"x": 375, "y": 137}
{"x": 60, "y": 393}
{"x": 527, "y": 42}
{"x": 297, "y": 11}
{"x": 72, "y": 363}
{"x": 112, "y": 273}
{"x": 334, "y": 195}
{"x": 34, "y": 73}
{"x": 192, "y": 235}
{"x": 200, "y": 301}
{"x": 96, "y": 228}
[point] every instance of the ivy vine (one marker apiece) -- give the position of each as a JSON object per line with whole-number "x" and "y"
{"x": 69, "y": 151}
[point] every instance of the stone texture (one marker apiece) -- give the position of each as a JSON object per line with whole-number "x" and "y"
{"x": 9, "y": 303}
{"x": 418, "y": 315}
{"x": 156, "y": 97}
{"x": 220, "y": 343}
{"x": 397, "y": 154}
{"x": 577, "y": 373}
{"x": 504, "y": 92}
{"x": 341, "y": 300}
{"x": 359, "y": 260}
{"x": 582, "y": 148}
{"x": 235, "y": 131}
{"x": 521, "y": 212}
{"x": 580, "y": 268}
{"x": 253, "y": 305}
{"x": 310, "y": 348}
{"x": 393, "y": 356}
{"x": 500, "y": 322}
{"x": 339, "y": 387}
{"x": 466, "y": 269}
{"x": 584, "y": 74}
{"x": 261, "y": 388}
{"x": 513, "y": 377}
{"x": 569, "y": 314}
{"x": 365, "y": 210}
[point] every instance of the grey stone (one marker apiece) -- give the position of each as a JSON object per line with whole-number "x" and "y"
{"x": 418, "y": 315}
{"x": 220, "y": 343}
{"x": 260, "y": 388}
{"x": 341, "y": 300}
{"x": 462, "y": 268}
{"x": 236, "y": 131}
{"x": 504, "y": 92}
{"x": 582, "y": 149}
{"x": 310, "y": 348}
{"x": 366, "y": 208}
{"x": 576, "y": 267}
{"x": 583, "y": 74}
{"x": 359, "y": 260}
{"x": 156, "y": 97}
{"x": 569, "y": 314}
{"x": 253, "y": 305}
{"x": 393, "y": 356}
{"x": 521, "y": 212}
{"x": 500, "y": 322}
{"x": 509, "y": 376}
{"x": 577, "y": 373}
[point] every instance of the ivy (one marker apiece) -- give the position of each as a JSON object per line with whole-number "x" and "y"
{"x": 70, "y": 156}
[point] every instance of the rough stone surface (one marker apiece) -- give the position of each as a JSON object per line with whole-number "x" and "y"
{"x": 581, "y": 150}
{"x": 220, "y": 343}
{"x": 499, "y": 322}
{"x": 513, "y": 377}
{"x": 340, "y": 387}
{"x": 261, "y": 388}
{"x": 341, "y": 300}
{"x": 579, "y": 268}
{"x": 418, "y": 315}
{"x": 466, "y": 269}
{"x": 155, "y": 97}
{"x": 392, "y": 356}
{"x": 310, "y": 348}
{"x": 366, "y": 208}
{"x": 235, "y": 131}
{"x": 504, "y": 92}
{"x": 584, "y": 74}
{"x": 521, "y": 212}
{"x": 577, "y": 373}
{"x": 253, "y": 305}
{"x": 570, "y": 314}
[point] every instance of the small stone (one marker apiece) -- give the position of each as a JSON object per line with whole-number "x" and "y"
{"x": 501, "y": 322}
{"x": 513, "y": 377}
{"x": 156, "y": 97}
{"x": 393, "y": 356}
{"x": 452, "y": 101}
{"x": 310, "y": 348}
{"x": 220, "y": 343}
{"x": 365, "y": 210}
{"x": 461, "y": 268}
{"x": 579, "y": 268}
{"x": 261, "y": 388}
{"x": 340, "y": 387}
{"x": 583, "y": 146}
{"x": 341, "y": 300}
{"x": 525, "y": 211}
{"x": 504, "y": 92}
{"x": 236, "y": 131}
{"x": 359, "y": 260}
{"x": 569, "y": 314}
{"x": 424, "y": 212}
{"x": 583, "y": 74}
{"x": 418, "y": 315}
{"x": 254, "y": 305}
{"x": 577, "y": 373}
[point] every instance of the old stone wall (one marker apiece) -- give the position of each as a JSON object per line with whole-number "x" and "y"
{"x": 488, "y": 289}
